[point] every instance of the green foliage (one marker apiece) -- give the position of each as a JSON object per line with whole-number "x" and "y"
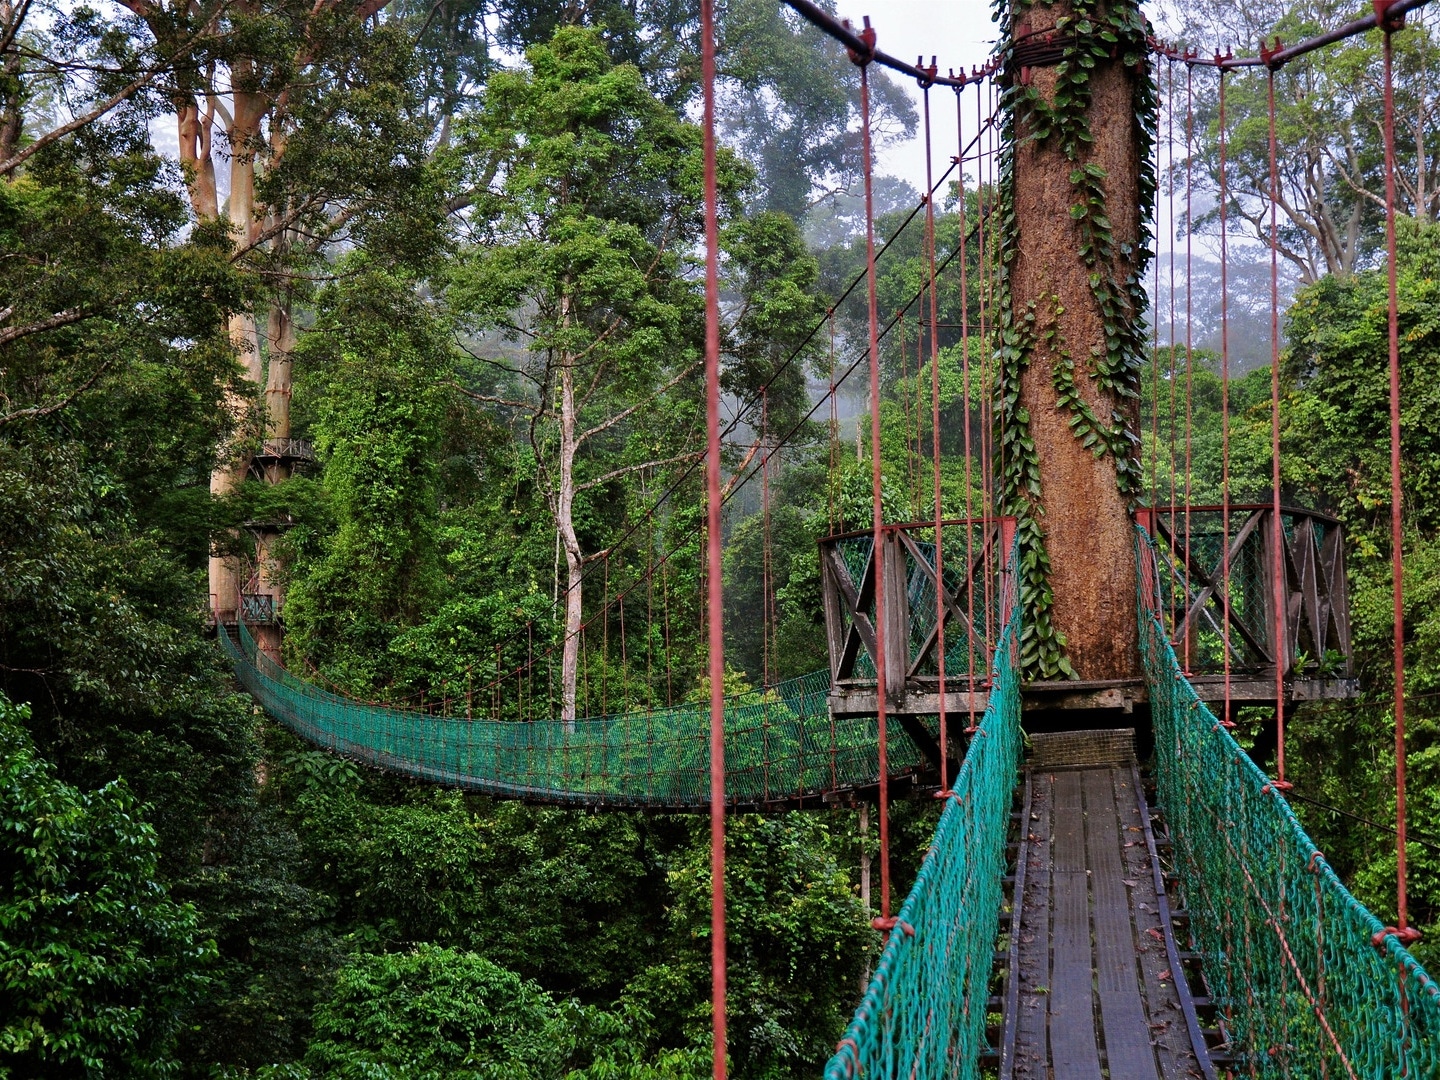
{"x": 96, "y": 961}
{"x": 797, "y": 934}
{"x": 436, "y": 1012}
{"x": 376, "y": 421}
{"x": 1335, "y": 454}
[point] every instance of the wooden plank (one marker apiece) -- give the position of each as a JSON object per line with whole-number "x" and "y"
{"x": 895, "y": 617}
{"x": 1128, "y": 1053}
{"x": 1174, "y": 1028}
{"x": 1074, "y": 1049}
{"x": 1032, "y": 1046}
{"x": 1010, "y": 1018}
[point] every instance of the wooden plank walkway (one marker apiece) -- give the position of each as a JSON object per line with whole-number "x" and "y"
{"x": 1096, "y": 994}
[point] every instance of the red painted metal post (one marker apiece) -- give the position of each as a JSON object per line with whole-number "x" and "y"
{"x": 1224, "y": 412}
{"x": 877, "y": 514}
{"x": 1397, "y": 568}
{"x": 712, "y": 490}
{"x": 1277, "y": 529}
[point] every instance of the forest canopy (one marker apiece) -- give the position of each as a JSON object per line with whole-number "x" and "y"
{"x": 392, "y": 316}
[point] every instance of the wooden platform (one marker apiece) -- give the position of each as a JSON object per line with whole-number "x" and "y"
{"x": 1097, "y": 969}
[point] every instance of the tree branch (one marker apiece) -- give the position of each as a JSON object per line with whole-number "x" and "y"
{"x": 491, "y": 399}
{"x": 61, "y": 318}
{"x": 37, "y": 411}
{"x": 615, "y": 474}
{"x": 623, "y": 413}
{"x": 55, "y": 135}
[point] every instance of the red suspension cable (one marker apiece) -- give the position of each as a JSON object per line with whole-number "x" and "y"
{"x": 1224, "y": 411}
{"x": 877, "y": 513}
{"x": 1189, "y": 329}
{"x": 1397, "y": 568}
{"x": 965, "y": 400}
{"x": 935, "y": 446}
{"x": 1170, "y": 193}
{"x": 1277, "y": 541}
{"x": 987, "y": 474}
{"x": 712, "y": 511}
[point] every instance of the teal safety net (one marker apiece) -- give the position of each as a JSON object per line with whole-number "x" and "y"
{"x": 1305, "y": 980}
{"x": 923, "y": 1014}
{"x": 781, "y": 744}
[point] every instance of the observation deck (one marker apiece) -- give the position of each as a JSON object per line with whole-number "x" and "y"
{"x": 1214, "y": 591}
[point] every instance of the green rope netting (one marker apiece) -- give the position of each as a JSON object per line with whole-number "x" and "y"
{"x": 1285, "y": 949}
{"x": 781, "y": 744}
{"x": 923, "y": 1015}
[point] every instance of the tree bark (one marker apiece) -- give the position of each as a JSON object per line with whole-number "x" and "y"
{"x": 1083, "y": 514}
{"x": 565, "y": 527}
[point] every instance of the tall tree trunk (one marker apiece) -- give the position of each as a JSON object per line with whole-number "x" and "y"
{"x": 195, "y": 131}
{"x": 12, "y": 107}
{"x": 280, "y": 341}
{"x": 1081, "y": 509}
{"x": 565, "y": 525}
{"x": 225, "y": 583}
{"x": 243, "y": 137}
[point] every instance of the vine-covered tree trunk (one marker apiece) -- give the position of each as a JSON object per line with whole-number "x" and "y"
{"x": 1081, "y": 119}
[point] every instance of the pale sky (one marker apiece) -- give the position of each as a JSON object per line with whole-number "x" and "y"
{"x": 957, "y": 33}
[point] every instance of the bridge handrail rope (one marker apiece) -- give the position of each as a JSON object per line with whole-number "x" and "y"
{"x": 923, "y": 1014}
{"x": 780, "y": 743}
{"x": 1306, "y": 981}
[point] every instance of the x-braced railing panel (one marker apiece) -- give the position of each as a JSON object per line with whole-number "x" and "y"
{"x": 923, "y": 1015}
{"x": 1215, "y": 590}
{"x": 968, "y": 586}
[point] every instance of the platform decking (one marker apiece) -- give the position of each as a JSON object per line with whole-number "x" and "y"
{"x": 1096, "y": 992}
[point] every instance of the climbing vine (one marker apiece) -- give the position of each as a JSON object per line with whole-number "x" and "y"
{"x": 1093, "y": 32}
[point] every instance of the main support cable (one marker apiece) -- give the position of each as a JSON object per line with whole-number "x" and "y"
{"x": 716, "y": 585}
{"x": 1387, "y": 13}
{"x": 859, "y": 44}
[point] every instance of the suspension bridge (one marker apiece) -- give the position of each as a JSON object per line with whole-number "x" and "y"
{"x": 1073, "y": 917}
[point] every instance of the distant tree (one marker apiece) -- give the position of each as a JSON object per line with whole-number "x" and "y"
{"x": 377, "y": 398}
{"x": 1328, "y": 125}
{"x": 582, "y": 255}
{"x": 1335, "y": 455}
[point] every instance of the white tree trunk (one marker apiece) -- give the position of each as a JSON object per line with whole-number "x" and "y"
{"x": 565, "y": 526}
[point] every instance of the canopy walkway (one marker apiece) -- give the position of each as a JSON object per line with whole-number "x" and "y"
{"x": 1294, "y": 976}
{"x": 1070, "y": 920}
{"x": 1267, "y": 966}
{"x": 781, "y": 745}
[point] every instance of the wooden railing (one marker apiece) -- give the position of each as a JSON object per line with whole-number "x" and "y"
{"x": 1206, "y": 614}
{"x": 257, "y": 609}
{"x": 969, "y": 588}
{"x": 289, "y": 449}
